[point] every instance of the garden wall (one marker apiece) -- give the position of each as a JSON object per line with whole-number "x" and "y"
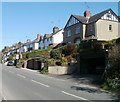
{"x": 61, "y": 69}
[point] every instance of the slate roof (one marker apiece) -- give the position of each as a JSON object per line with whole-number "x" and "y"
{"x": 47, "y": 35}
{"x": 82, "y": 19}
{"x": 96, "y": 17}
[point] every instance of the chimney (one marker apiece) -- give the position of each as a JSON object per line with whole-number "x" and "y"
{"x": 55, "y": 29}
{"x": 38, "y": 36}
{"x": 28, "y": 40}
{"x": 87, "y": 14}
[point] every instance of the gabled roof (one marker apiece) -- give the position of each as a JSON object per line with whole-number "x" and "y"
{"x": 96, "y": 17}
{"x": 82, "y": 19}
{"x": 99, "y": 15}
{"x": 47, "y": 35}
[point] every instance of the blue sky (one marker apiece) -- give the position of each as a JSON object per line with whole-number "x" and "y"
{"x": 24, "y": 20}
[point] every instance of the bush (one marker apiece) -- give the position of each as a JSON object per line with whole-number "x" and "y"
{"x": 44, "y": 71}
{"x": 69, "y": 49}
{"x": 112, "y": 75}
{"x": 19, "y": 65}
{"x": 55, "y": 53}
{"x": 10, "y": 58}
{"x": 36, "y": 53}
{"x": 118, "y": 41}
{"x": 52, "y": 62}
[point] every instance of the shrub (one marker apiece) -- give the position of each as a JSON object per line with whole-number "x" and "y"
{"x": 36, "y": 53}
{"x": 118, "y": 41}
{"x": 97, "y": 46}
{"x": 51, "y": 62}
{"x": 69, "y": 49}
{"x": 55, "y": 53}
{"x": 10, "y": 58}
{"x": 44, "y": 71}
{"x": 19, "y": 65}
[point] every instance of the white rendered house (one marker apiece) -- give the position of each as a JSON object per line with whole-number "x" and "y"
{"x": 51, "y": 39}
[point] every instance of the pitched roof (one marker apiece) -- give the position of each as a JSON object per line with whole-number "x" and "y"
{"x": 93, "y": 18}
{"x": 82, "y": 19}
{"x": 99, "y": 15}
{"x": 47, "y": 35}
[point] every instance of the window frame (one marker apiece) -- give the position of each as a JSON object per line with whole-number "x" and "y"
{"x": 77, "y": 30}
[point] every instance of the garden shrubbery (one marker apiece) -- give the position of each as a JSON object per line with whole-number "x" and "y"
{"x": 112, "y": 74}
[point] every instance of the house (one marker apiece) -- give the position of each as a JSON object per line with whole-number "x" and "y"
{"x": 32, "y": 45}
{"x": 102, "y": 26}
{"x": 52, "y": 39}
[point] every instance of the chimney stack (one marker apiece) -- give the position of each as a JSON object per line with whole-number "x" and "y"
{"x": 28, "y": 40}
{"x": 55, "y": 29}
{"x": 38, "y": 36}
{"x": 87, "y": 14}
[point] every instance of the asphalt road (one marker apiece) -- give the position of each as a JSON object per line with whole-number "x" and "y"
{"x": 21, "y": 84}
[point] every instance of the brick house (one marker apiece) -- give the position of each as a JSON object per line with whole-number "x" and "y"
{"x": 102, "y": 26}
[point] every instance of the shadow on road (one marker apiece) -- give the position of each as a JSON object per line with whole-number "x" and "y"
{"x": 89, "y": 90}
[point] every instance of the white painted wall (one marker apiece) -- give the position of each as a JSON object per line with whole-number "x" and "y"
{"x": 58, "y": 37}
{"x": 35, "y": 46}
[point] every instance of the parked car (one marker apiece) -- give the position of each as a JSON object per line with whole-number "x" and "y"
{"x": 10, "y": 63}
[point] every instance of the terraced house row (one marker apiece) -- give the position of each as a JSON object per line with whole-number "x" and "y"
{"x": 102, "y": 26}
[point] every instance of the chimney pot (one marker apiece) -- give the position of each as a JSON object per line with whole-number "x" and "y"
{"x": 55, "y": 29}
{"x": 87, "y": 14}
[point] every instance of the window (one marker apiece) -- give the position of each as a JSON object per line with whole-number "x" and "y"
{"x": 77, "y": 41}
{"x": 91, "y": 28}
{"x": 110, "y": 27}
{"x": 109, "y": 15}
{"x": 69, "y": 42}
{"x": 77, "y": 30}
{"x": 68, "y": 32}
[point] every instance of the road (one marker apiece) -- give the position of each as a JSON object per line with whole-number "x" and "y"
{"x": 21, "y": 84}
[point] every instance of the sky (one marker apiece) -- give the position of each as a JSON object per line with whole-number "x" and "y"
{"x": 24, "y": 20}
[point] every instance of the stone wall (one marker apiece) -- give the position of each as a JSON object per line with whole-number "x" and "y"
{"x": 61, "y": 69}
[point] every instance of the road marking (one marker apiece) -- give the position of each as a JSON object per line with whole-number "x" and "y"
{"x": 3, "y": 96}
{"x": 51, "y": 77}
{"x": 21, "y": 75}
{"x": 73, "y": 95}
{"x": 11, "y": 72}
{"x": 40, "y": 83}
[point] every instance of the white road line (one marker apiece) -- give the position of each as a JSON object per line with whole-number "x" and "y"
{"x": 11, "y": 72}
{"x": 21, "y": 75}
{"x": 40, "y": 83}
{"x": 51, "y": 77}
{"x": 73, "y": 95}
{"x": 3, "y": 96}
